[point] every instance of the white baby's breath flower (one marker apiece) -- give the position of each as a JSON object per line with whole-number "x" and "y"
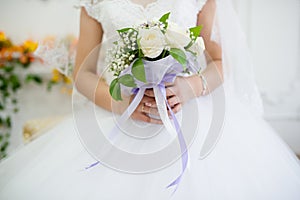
{"x": 177, "y": 37}
{"x": 152, "y": 42}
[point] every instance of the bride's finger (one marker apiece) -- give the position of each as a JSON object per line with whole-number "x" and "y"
{"x": 176, "y": 108}
{"x": 149, "y": 93}
{"x": 149, "y": 101}
{"x": 174, "y": 100}
{"x": 170, "y": 91}
{"x": 149, "y": 110}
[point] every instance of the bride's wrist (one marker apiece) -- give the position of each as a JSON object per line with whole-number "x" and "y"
{"x": 196, "y": 84}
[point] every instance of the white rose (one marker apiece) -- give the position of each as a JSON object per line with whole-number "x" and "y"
{"x": 152, "y": 42}
{"x": 177, "y": 37}
{"x": 198, "y": 47}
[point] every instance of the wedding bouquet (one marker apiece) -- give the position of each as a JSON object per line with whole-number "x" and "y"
{"x": 138, "y": 49}
{"x": 148, "y": 56}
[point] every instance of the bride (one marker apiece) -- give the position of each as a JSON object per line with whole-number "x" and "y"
{"x": 232, "y": 153}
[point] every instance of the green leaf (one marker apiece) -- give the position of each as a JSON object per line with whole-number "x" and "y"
{"x": 35, "y": 78}
{"x": 195, "y": 31}
{"x": 6, "y": 94}
{"x": 124, "y": 30}
{"x": 15, "y": 82}
{"x": 50, "y": 85}
{"x": 112, "y": 85}
{"x": 115, "y": 90}
{"x": 164, "y": 19}
{"x": 127, "y": 80}
{"x": 4, "y": 146}
{"x": 138, "y": 70}
{"x": 14, "y": 101}
{"x": 8, "y": 122}
{"x": 179, "y": 55}
{"x": 8, "y": 69}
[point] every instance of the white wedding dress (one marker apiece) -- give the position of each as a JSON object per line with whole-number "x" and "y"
{"x": 249, "y": 161}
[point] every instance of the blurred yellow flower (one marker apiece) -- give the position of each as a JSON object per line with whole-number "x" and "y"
{"x": 67, "y": 80}
{"x": 30, "y": 46}
{"x": 59, "y": 78}
{"x": 66, "y": 90}
{"x": 56, "y": 76}
{"x": 2, "y": 36}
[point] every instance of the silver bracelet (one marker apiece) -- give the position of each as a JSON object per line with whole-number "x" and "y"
{"x": 204, "y": 85}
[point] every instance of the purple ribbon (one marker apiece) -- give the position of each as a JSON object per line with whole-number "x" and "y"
{"x": 92, "y": 165}
{"x": 168, "y": 76}
{"x": 183, "y": 147}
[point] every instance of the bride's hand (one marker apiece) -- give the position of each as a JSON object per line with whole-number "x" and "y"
{"x": 144, "y": 109}
{"x": 181, "y": 91}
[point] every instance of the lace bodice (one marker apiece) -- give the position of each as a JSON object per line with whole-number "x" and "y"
{"x": 117, "y": 14}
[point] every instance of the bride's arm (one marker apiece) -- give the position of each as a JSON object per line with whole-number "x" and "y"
{"x": 85, "y": 75}
{"x": 186, "y": 88}
{"x": 85, "y": 72}
{"x": 214, "y": 71}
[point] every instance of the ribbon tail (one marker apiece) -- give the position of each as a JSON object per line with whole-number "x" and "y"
{"x": 92, "y": 165}
{"x": 162, "y": 110}
{"x": 160, "y": 91}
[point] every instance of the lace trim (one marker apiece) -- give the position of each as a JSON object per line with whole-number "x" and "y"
{"x": 92, "y": 8}
{"x": 146, "y": 7}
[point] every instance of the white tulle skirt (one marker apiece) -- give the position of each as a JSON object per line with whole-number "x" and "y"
{"x": 249, "y": 162}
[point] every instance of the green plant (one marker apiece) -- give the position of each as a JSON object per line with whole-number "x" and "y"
{"x": 13, "y": 60}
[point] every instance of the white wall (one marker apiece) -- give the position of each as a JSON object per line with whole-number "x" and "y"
{"x": 273, "y": 31}
{"x": 23, "y": 19}
{"x": 272, "y": 28}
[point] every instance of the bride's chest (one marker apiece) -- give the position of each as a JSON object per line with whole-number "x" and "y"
{"x": 117, "y": 14}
